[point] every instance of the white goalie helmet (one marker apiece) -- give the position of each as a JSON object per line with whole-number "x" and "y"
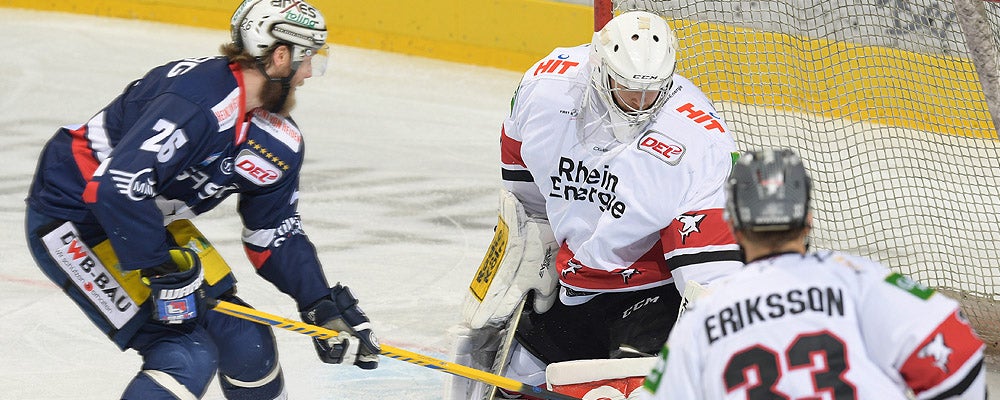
{"x": 634, "y": 57}
{"x": 259, "y": 24}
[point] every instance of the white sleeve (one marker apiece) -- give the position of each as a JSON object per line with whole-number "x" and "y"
{"x": 516, "y": 177}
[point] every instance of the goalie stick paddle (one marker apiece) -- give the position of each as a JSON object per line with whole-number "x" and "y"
{"x": 319, "y": 332}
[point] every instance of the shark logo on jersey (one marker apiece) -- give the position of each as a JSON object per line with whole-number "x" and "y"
{"x": 690, "y": 224}
{"x": 628, "y": 273}
{"x": 136, "y": 186}
{"x": 938, "y": 350}
{"x": 571, "y": 267}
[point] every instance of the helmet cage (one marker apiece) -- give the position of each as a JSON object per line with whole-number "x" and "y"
{"x": 604, "y": 80}
{"x": 635, "y": 51}
{"x": 768, "y": 191}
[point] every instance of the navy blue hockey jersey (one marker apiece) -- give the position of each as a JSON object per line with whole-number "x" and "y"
{"x": 173, "y": 145}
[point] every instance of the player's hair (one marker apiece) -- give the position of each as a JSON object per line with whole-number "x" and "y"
{"x": 763, "y": 239}
{"x": 236, "y": 54}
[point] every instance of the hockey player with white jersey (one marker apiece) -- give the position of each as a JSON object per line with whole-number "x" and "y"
{"x": 109, "y": 208}
{"x": 818, "y": 325}
{"x": 613, "y": 169}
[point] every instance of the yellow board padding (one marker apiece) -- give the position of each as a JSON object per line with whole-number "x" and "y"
{"x": 508, "y": 34}
{"x": 186, "y": 235}
{"x": 882, "y": 85}
{"x": 887, "y": 86}
{"x": 491, "y": 261}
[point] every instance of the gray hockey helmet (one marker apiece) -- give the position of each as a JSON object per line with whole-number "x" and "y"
{"x": 768, "y": 190}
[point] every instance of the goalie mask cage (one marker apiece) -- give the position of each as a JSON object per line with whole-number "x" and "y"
{"x": 888, "y": 102}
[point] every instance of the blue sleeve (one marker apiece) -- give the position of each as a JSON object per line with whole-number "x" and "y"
{"x": 277, "y": 245}
{"x": 161, "y": 143}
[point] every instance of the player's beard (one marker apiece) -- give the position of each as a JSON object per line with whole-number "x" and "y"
{"x": 272, "y": 96}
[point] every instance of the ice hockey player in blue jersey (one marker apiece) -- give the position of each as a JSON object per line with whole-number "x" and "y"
{"x": 109, "y": 209}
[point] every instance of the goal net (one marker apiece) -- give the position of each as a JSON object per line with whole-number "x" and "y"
{"x": 888, "y": 102}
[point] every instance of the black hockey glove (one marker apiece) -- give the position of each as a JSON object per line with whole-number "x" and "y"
{"x": 356, "y": 344}
{"x": 176, "y": 288}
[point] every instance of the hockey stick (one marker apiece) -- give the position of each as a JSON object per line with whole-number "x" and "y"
{"x": 319, "y": 332}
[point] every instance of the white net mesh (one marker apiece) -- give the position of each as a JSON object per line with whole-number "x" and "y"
{"x": 883, "y": 102}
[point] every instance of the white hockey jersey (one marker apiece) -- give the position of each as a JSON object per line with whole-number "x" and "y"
{"x": 820, "y": 326}
{"x": 628, "y": 216}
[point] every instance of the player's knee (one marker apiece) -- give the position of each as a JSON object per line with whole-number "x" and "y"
{"x": 178, "y": 373}
{"x": 249, "y": 368}
{"x": 181, "y": 366}
{"x": 270, "y": 386}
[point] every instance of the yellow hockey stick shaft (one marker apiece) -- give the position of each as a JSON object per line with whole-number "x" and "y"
{"x": 319, "y": 332}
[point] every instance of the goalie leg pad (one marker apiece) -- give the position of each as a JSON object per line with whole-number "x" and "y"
{"x": 474, "y": 348}
{"x": 519, "y": 260}
{"x": 616, "y": 379}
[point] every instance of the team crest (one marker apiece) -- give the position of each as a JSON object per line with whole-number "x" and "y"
{"x": 689, "y": 224}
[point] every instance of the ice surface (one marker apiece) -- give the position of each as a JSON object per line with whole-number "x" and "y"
{"x": 398, "y": 194}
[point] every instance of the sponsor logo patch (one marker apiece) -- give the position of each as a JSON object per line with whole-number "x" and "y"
{"x": 89, "y": 275}
{"x": 227, "y": 111}
{"x": 662, "y": 147}
{"x": 491, "y": 262}
{"x": 279, "y": 128}
{"x": 913, "y": 287}
{"x": 559, "y": 66}
{"x": 136, "y": 186}
{"x": 256, "y": 169}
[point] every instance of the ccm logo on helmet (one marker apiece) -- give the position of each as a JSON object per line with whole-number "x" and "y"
{"x": 256, "y": 169}
{"x": 662, "y": 147}
{"x": 639, "y": 76}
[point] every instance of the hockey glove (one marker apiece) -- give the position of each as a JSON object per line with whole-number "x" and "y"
{"x": 356, "y": 344}
{"x": 176, "y": 288}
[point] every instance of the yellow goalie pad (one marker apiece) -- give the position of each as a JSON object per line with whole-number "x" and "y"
{"x": 520, "y": 259}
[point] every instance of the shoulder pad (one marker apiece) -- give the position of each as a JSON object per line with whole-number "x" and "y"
{"x": 279, "y": 129}
{"x": 563, "y": 62}
{"x": 272, "y": 150}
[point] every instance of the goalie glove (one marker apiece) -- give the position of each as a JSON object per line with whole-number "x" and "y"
{"x": 356, "y": 344}
{"x": 519, "y": 261}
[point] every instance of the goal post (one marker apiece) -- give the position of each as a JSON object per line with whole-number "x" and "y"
{"x": 892, "y": 105}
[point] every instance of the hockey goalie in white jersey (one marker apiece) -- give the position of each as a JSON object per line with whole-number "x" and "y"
{"x": 819, "y": 325}
{"x": 613, "y": 169}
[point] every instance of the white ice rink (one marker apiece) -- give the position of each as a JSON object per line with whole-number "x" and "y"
{"x": 398, "y": 194}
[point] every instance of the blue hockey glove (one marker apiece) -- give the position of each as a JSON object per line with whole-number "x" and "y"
{"x": 176, "y": 288}
{"x": 356, "y": 344}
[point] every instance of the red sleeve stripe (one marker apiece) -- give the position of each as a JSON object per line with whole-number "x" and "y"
{"x": 83, "y": 154}
{"x": 257, "y": 258}
{"x": 942, "y": 354}
{"x": 510, "y": 150}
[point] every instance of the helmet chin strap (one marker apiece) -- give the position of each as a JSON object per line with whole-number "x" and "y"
{"x": 286, "y": 84}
